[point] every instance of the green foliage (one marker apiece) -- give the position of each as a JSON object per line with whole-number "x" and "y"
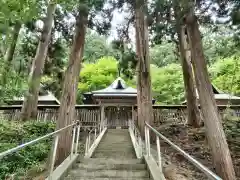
{"x": 128, "y": 64}
{"x": 98, "y": 75}
{"x": 163, "y": 54}
{"x": 167, "y": 84}
{"x": 13, "y": 134}
{"x": 38, "y": 128}
{"x": 95, "y": 76}
{"x": 218, "y": 43}
{"x": 126, "y": 57}
{"x": 99, "y": 68}
{"x": 14, "y": 87}
{"x": 225, "y": 74}
{"x": 96, "y": 47}
{"x": 13, "y": 11}
{"x": 54, "y": 66}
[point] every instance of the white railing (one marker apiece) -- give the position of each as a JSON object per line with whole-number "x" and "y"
{"x": 74, "y": 146}
{"x": 159, "y": 136}
{"x": 92, "y": 136}
{"x": 136, "y": 139}
{"x": 89, "y": 140}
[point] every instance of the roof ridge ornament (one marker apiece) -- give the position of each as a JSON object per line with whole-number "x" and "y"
{"x": 118, "y": 83}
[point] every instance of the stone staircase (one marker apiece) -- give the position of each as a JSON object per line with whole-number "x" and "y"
{"x": 114, "y": 159}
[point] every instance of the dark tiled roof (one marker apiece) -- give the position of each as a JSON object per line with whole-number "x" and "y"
{"x": 117, "y": 87}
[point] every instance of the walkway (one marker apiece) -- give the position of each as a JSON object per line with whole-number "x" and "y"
{"x": 114, "y": 159}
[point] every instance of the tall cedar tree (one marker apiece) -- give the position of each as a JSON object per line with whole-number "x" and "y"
{"x": 29, "y": 109}
{"x": 193, "y": 112}
{"x": 212, "y": 120}
{"x": 165, "y": 21}
{"x": 66, "y": 113}
{"x": 10, "y": 51}
{"x": 87, "y": 10}
{"x": 8, "y": 57}
{"x": 144, "y": 96}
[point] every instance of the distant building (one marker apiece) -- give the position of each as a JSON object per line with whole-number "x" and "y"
{"x": 117, "y": 93}
{"x": 223, "y": 98}
{"x": 44, "y": 98}
{"x": 117, "y": 103}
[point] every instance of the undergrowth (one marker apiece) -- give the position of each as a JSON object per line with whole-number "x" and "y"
{"x": 13, "y": 134}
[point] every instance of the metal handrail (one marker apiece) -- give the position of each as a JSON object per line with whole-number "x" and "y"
{"x": 88, "y": 139}
{"x": 97, "y": 129}
{"x": 76, "y": 126}
{"x": 5, "y": 153}
{"x": 197, "y": 164}
{"x": 137, "y": 138}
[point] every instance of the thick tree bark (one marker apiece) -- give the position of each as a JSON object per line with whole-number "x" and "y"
{"x": 10, "y": 51}
{"x": 29, "y": 109}
{"x": 194, "y": 117}
{"x": 193, "y": 112}
{"x": 212, "y": 120}
{"x": 66, "y": 113}
{"x": 144, "y": 94}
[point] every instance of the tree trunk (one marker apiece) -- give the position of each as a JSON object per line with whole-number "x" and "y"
{"x": 66, "y": 113}
{"x": 193, "y": 112}
{"x": 194, "y": 116}
{"x": 212, "y": 120}
{"x": 29, "y": 109}
{"x": 10, "y": 51}
{"x": 144, "y": 95}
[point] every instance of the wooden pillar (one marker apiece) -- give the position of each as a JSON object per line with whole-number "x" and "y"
{"x": 102, "y": 117}
{"x": 133, "y": 113}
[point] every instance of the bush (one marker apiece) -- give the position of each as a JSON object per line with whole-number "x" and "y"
{"x": 13, "y": 134}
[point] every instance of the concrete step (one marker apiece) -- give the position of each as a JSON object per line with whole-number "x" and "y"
{"x": 114, "y": 148}
{"x": 110, "y": 166}
{"x": 110, "y": 173}
{"x": 124, "y": 156}
{"x": 113, "y": 151}
{"x": 109, "y": 161}
{"x": 114, "y": 159}
{"x": 115, "y": 144}
{"x": 105, "y": 178}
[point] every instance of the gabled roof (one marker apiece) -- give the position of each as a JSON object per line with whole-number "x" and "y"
{"x": 218, "y": 94}
{"x": 46, "y": 97}
{"x": 118, "y": 87}
{"x": 216, "y": 90}
{"x": 226, "y": 96}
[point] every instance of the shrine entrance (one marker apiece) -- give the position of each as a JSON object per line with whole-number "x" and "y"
{"x": 118, "y": 116}
{"x": 117, "y": 102}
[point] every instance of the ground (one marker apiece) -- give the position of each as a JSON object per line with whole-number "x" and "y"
{"x": 194, "y": 142}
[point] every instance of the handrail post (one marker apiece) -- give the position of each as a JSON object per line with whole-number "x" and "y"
{"x": 78, "y": 135}
{"x": 73, "y": 139}
{"x": 53, "y": 156}
{"x": 95, "y": 133}
{"x": 148, "y": 142}
{"x": 86, "y": 146}
{"x": 140, "y": 145}
{"x": 89, "y": 141}
{"x": 159, "y": 154}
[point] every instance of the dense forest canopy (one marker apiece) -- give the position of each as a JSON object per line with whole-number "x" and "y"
{"x": 101, "y": 63}
{"x": 220, "y": 44}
